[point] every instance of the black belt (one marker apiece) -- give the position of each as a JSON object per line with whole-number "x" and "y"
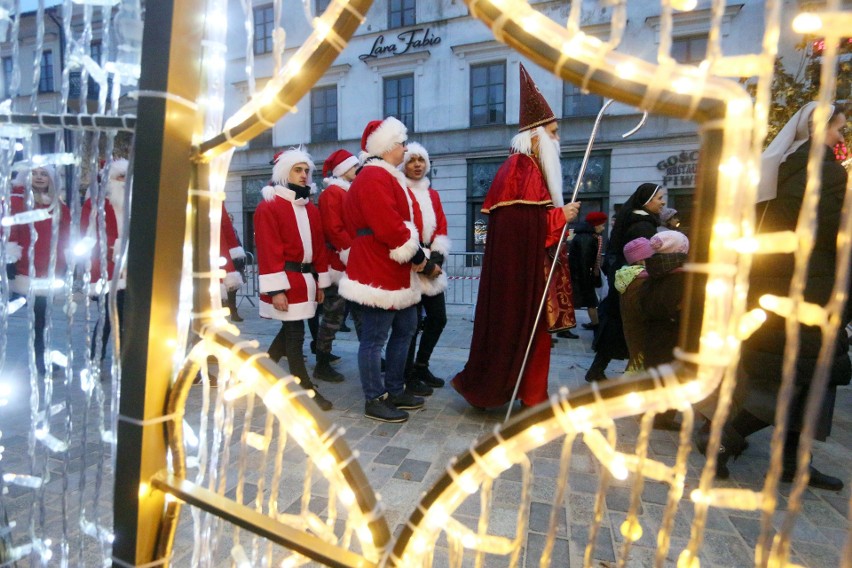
{"x": 304, "y": 268}
{"x": 364, "y": 232}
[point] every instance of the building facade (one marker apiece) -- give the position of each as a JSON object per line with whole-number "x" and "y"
{"x": 457, "y": 89}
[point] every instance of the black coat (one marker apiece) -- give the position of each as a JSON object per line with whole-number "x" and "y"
{"x": 582, "y": 258}
{"x": 763, "y": 352}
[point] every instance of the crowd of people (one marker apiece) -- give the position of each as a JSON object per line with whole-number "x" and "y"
{"x": 374, "y": 245}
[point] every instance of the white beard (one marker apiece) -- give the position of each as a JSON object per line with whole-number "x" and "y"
{"x": 551, "y": 166}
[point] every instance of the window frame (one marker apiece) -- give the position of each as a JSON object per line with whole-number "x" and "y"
{"x": 487, "y": 65}
{"x": 46, "y": 79}
{"x": 581, "y": 101}
{"x": 8, "y": 72}
{"x": 409, "y": 123}
{"x": 688, "y": 39}
{"x": 404, "y": 10}
{"x": 266, "y": 25}
{"x": 324, "y": 135}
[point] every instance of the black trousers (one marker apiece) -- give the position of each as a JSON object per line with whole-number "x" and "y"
{"x": 107, "y": 328}
{"x": 288, "y": 343}
{"x": 431, "y": 319}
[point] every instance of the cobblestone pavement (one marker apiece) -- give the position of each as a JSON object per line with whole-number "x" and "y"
{"x": 404, "y": 460}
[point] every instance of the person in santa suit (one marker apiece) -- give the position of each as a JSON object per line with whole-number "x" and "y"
{"x": 382, "y": 272}
{"x": 113, "y": 226}
{"x": 231, "y": 249}
{"x": 525, "y": 216}
{"x": 436, "y": 243}
{"x": 36, "y": 272}
{"x": 292, "y": 260}
{"x": 338, "y": 172}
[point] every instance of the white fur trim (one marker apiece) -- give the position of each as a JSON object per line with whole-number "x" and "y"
{"x": 324, "y": 280}
{"x": 117, "y": 168}
{"x": 383, "y": 138}
{"x": 433, "y": 286}
{"x": 295, "y": 312}
{"x": 339, "y": 182}
{"x": 415, "y": 149}
{"x": 442, "y": 244}
{"x": 379, "y": 298}
{"x": 427, "y": 211}
{"x": 273, "y": 282}
{"x": 286, "y": 161}
{"x": 400, "y": 178}
{"x": 270, "y": 192}
{"x": 335, "y": 275}
{"x": 237, "y": 252}
{"x": 303, "y": 224}
{"x": 13, "y": 252}
{"x": 344, "y": 256}
{"x": 21, "y": 285}
{"x": 345, "y": 166}
{"x": 406, "y": 251}
{"x": 233, "y": 281}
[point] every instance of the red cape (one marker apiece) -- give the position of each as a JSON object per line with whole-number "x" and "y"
{"x": 510, "y": 290}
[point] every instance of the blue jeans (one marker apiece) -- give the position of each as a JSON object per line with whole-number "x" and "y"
{"x": 375, "y": 325}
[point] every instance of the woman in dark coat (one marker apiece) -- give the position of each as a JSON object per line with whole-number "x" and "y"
{"x": 584, "y": 258}
{"x": 638, "y": 217}
{"x": 763, "y": 353}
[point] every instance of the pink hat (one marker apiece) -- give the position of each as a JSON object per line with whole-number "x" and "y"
{"x": 670, "y": 241}
{"x": 338, "y": 163}
{"x": 638, "y": 249}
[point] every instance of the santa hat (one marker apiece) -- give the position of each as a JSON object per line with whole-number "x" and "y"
{"x": 118, "y": 168}
{"x": 380, "y": 136}
{"x": 638, "y": 249}
{"x": 284, "y": 162}
{"x": 414, "y": 149}
{"x": 669, "y": 242}
{"x": 596, "y": 218}
{"x": 338, "y": 163}
{"x": 535, "y": 111}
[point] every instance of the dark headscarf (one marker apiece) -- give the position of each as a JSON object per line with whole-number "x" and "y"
{"x": 640, "y": 197}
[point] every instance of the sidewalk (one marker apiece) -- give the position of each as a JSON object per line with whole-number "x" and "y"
{"x": 404, "y": 460}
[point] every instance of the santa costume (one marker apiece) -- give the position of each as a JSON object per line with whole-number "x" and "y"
{"x": 436, "y": 243}
{"x": 292, "y": 260}
{"x": 35, "y": 272}
{"x": 380, "y": 276}
{"x": 338, "y": 171}
{"x": 525, "y": 217}
{"x": 231, "y": 250}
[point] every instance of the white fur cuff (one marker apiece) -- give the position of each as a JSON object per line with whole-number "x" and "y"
{"x": 273, "y": 282}
{"x": 233, "y": 281}
{"x": 237, "y": 252}
{"x": 13, "y": 252}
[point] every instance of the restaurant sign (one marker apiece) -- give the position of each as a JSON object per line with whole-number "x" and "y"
{"x": 679, "y": 169}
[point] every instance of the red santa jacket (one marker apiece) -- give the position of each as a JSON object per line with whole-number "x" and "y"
{"x": 433, "y": 230}
{"x": 336, "y": 236}
{"x": 90, "y": 227}
{"x": 289, "y": 230}
{"x": 20, "y": 234}
{"x": 230, "y": 249}
{"x": 380, "y": 213}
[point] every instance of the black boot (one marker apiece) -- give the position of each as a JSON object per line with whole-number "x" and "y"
{"x": 325, "y": 372}
{"x": 666, "y": 421}
{"x": 817, "y": 478}
{"x": 731, "y": 446}
{"x": 321, "y": 401}
{"x": 424, "y": 375}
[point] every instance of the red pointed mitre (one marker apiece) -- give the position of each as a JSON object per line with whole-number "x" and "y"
{"x": 535, "y": 111}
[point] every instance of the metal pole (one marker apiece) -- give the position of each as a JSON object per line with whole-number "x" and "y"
{"x": 561, "y": 242}
{"x": 161, "y": 176}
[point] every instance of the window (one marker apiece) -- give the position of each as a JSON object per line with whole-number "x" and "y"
{"x": 263, "y": 25}
{"x": 324, "y": 114}
{"x": 47, "y": 143}
{"x": 252, "y": 188}
{"x": 480, "y": 173}
{"x": 45, "y": 82}
{"x": 689, "y": 49}
{"x": 400, "y": 13}
{"x": 8, "y": 67}
{"x": 399, "y": 99}
{"x": 321, "y": 5}
{"x": 488, "y": 94}
{"x": 576, "y": 103}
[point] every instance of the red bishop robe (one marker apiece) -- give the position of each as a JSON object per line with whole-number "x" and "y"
{"x": 288, "y": 229}
{"x": 522, "y": 224}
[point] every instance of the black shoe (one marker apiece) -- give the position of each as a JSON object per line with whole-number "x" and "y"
{"x": 406, "y": 401}
{"x": 235, "y": 317}
{"x": 383, "y": 410}
{"x": 321, "y": 401}
{"x": 333, "y": 359}
{"x": 417, "y": 388}
{"x": 424, "y": 375}
{"x": 593, "y": 375}
{"x": 731, "y": 446}
{"x": 817, "y": 479}
{"x": 567, "y": 334}
{"x": 590, "y": 326}
{"x": 324, "y": 372}
{"x": 344, "y": 328}
{"x": 666, "y": 421}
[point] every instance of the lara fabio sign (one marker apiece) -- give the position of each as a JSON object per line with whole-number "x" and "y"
{"x": 679, "y": 169}
{"x": 417, "y": 38}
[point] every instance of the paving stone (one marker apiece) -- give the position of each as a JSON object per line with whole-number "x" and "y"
{"x": 412, "y": 470}
{"x": 618, "y": 499}
{"x": 603, "y": 543}
{"x": 391, "y": 455}
{"x": 813, "y": 554}
{"x": 535, "y": 548}
{"x": 539, "y": 519}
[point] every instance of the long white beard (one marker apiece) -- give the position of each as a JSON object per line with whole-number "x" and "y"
{"x": 551, "y": 166}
